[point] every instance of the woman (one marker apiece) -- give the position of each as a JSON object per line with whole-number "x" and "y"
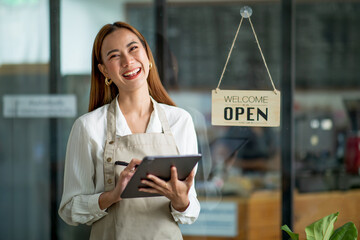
{"x": 130, "y": 116}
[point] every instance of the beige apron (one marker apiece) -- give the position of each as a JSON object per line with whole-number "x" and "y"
{"x": 136, "y": 218}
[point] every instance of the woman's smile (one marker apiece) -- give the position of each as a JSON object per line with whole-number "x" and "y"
{"x": 129, "y": 75}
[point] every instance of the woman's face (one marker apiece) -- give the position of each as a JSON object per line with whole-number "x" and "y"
{"x": 124, "y": 60}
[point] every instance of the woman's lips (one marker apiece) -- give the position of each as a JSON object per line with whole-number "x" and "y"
{"x": 132, "y": 74}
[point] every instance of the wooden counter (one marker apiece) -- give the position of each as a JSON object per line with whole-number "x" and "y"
{"x": 259, "y": 216}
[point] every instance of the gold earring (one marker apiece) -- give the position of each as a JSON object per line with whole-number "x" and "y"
{"x": 150, "y": 65}
{"x": 108, "y": 81}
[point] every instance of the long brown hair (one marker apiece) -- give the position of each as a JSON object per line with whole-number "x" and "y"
{"x": 100, "y": 94}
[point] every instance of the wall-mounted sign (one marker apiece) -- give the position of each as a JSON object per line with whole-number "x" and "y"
{"x": 245, "y": 108}
{"x": 39, "y": 106}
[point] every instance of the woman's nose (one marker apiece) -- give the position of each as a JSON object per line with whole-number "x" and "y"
{"x": 126, "y": 60}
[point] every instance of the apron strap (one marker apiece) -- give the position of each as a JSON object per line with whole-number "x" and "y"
{"x": 164, "y": 122}
{"x": 111, "y": 122}
{"x": 109, "y": 170}
{"x": 162, "y": 117}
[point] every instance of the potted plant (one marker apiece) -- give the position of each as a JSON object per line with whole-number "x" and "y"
{"x": 323, "y": 229}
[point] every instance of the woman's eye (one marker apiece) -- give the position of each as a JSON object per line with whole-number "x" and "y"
{"x": 133, "y": 48}
{"x": 114, "y": 56}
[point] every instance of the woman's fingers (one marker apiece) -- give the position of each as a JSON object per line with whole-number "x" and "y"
{"x": 174, "y": 185}
{"x": 156, "y": 182}
{"x": 133, "y": 164}
{"x": 154, "y": 187}
{"x": 131, "y": 167}
{"x": 174, "y": 174}
{"x": 127, "y": 173}
{"x": 175, "y": 190}
{"x": 190, "y": 179}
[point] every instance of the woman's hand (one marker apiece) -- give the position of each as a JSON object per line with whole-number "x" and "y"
{"x": 106, "y": 199}
{"x": 125, "y": 176}
{"x": 175, "y": 190}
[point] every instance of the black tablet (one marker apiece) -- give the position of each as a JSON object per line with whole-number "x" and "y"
{"x": 160, "y": 167}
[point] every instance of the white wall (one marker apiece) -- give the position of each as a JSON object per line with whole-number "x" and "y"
{"x": 24, "y": 32}
{"x": 80, "y": 22}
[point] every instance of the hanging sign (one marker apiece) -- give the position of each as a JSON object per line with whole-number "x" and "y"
{"x": 245, "y": 108}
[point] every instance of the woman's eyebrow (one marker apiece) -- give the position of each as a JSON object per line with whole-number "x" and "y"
{"x": 131, "y": 43}
{"x": 117, "y": 50}
{"x": 111, "y": 51}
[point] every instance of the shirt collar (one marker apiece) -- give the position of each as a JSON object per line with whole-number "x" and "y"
{"x": 122, "y": 128}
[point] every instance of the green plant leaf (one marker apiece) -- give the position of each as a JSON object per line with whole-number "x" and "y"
{"x": 347, "y": 231}
{"x": 294, "y": 236}
{"x": 321, "y": 229}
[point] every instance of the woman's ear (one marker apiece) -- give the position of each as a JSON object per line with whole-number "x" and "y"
{"x": 103, "y": 70}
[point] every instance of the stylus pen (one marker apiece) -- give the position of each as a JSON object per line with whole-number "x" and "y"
{"x": 122, "y": 163}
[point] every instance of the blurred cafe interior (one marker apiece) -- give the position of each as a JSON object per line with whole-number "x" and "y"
{"x": 251, "y": 180}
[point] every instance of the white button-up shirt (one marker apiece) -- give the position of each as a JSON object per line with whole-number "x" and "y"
{"x": 84, "y": 180}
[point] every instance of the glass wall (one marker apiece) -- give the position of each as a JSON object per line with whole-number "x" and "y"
{"x": 239, "y": 178}
{"x": 327, "y": 112}
{"x": 24, "y": 137}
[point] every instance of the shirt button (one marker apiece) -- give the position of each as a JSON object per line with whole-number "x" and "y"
{"x": 109, "y": 181}
{"x": 108, "y": 160}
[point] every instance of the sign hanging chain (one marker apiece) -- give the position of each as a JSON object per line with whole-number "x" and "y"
{"x": 228, "y": 57}
{"x": 262, "y": 55}
{"x": 232, "y": 46}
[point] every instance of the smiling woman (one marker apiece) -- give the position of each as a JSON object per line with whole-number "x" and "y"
{"x": 100, "y": 94}
{"x": 131, "y": 116}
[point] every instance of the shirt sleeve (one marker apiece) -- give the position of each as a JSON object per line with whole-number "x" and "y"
{"x": 79, "y": 203}
{"x": 190, "y": 215}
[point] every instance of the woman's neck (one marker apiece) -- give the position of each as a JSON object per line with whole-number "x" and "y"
{"x": 137, "y": 103}
{"x": 136, "y": 108}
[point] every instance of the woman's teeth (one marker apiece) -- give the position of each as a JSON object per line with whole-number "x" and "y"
{"x": 132, "y": 73}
